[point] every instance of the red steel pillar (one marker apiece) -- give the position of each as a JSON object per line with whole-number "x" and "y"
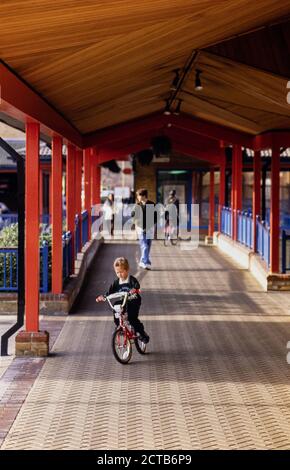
{"x": 78, "y": 188}
{"x": 40, "y": 193}
{"x": 256, "y": 195}
{"x": 275, "y": 209}
{"x": 233, "y": 190}
{"x": 87, "y": 182}
{"x": 32, "y": 273}
{"x": 222, "y": 189}
{"x": 211, "y": 204}
{"x": 238, "y": 182}
{"x": 56, "y": 214}
{"x": 32, "y": 342}
{"x": 70, "y": 194}
{"x": 94, "y": 163}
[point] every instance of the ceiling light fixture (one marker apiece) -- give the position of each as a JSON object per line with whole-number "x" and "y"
{"x": 198, "y": 85}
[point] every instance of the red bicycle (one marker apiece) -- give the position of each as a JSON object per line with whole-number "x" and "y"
{"x": 124, "y": 336}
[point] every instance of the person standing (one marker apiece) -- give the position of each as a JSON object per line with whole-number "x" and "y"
{"x": 108, "y": 209}
{"x": 172, "y": 199}
{"x": 145, "y": 226}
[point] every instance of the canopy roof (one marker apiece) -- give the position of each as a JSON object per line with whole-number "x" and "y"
{"x": 98, "y": 64}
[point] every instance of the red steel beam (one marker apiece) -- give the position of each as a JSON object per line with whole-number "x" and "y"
{"x": 185, "y": 122}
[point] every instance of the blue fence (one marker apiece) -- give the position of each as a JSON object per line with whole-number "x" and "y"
{"x": 245, "y": 229}
{"x": 226, "y": 221}
{"x": 8, "y": 219}
{"x": 263, "y": 240}
{"x": 9, "y": 269}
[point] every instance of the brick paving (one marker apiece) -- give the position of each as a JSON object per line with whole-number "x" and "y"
{"x": 18, "y": 374}
{"x": 215, "y": 377}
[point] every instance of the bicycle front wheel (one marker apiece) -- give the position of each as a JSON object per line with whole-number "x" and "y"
{"x": 122, "y": 348}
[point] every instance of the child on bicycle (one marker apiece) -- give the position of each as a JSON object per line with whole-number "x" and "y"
{"x": 125, "y": 282}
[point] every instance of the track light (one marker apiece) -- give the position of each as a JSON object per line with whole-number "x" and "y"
{"x": 177, "y": 109}
{"x": 167, "y": 108}
{"x": 175, "y": 81}
{"x": 198, "y": 85}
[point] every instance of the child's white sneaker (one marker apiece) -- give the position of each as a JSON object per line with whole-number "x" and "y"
{"x": 142, "y": 265}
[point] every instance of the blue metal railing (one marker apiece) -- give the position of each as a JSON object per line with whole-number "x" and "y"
{"x": 67, "y": 261}
{"x": 226, "y": 221}
{"x": 85, "y": 227}
{"x": 263, "y": 240}
{"x": 46, "y": 219}
{"x": 8, "y": 219}
{"x": 11, "y": 218}
{"x": 44, "y": 272}
{"x": 245, "y": 228}
{"x": 9, "y": 269}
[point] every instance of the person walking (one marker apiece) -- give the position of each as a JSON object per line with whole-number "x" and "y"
{"x": 145, "y": 226}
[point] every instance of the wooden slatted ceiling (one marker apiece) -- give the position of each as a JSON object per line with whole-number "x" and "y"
{"x": 267, "y": 49}
{"x": 249, "y": 99}
{"x": 101, "y": 63}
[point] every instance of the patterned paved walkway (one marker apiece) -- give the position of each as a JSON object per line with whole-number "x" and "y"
{"x": 216, "y": 376}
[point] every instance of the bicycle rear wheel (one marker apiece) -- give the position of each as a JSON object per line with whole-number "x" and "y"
{"x": 122, "y": 348}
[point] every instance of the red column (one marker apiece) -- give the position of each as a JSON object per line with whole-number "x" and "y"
{"x": 50, "y": 192}
{"x": 222, "y": 189}
{"x": 233, "y": 197}
{"x": 256, "y": 195}
{"x": 275, "y": 209}
{"x": 78, "y": 188}
{"x": 40, "y": 193}
{"x": 56, "y": 214}
{"x": 237, "y": 194}
{"x": 98, "y": 183}
{"x": 32, "y": 228}
{"x": 78, "y": 182}
{"x": 93, "y": 175}
{"x": 70, "y": 192}
{"x": 87, "y": 183}
{"x": 211, "y": 204}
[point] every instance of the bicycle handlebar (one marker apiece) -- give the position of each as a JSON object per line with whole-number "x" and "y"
{"x": 116, "y": 295}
